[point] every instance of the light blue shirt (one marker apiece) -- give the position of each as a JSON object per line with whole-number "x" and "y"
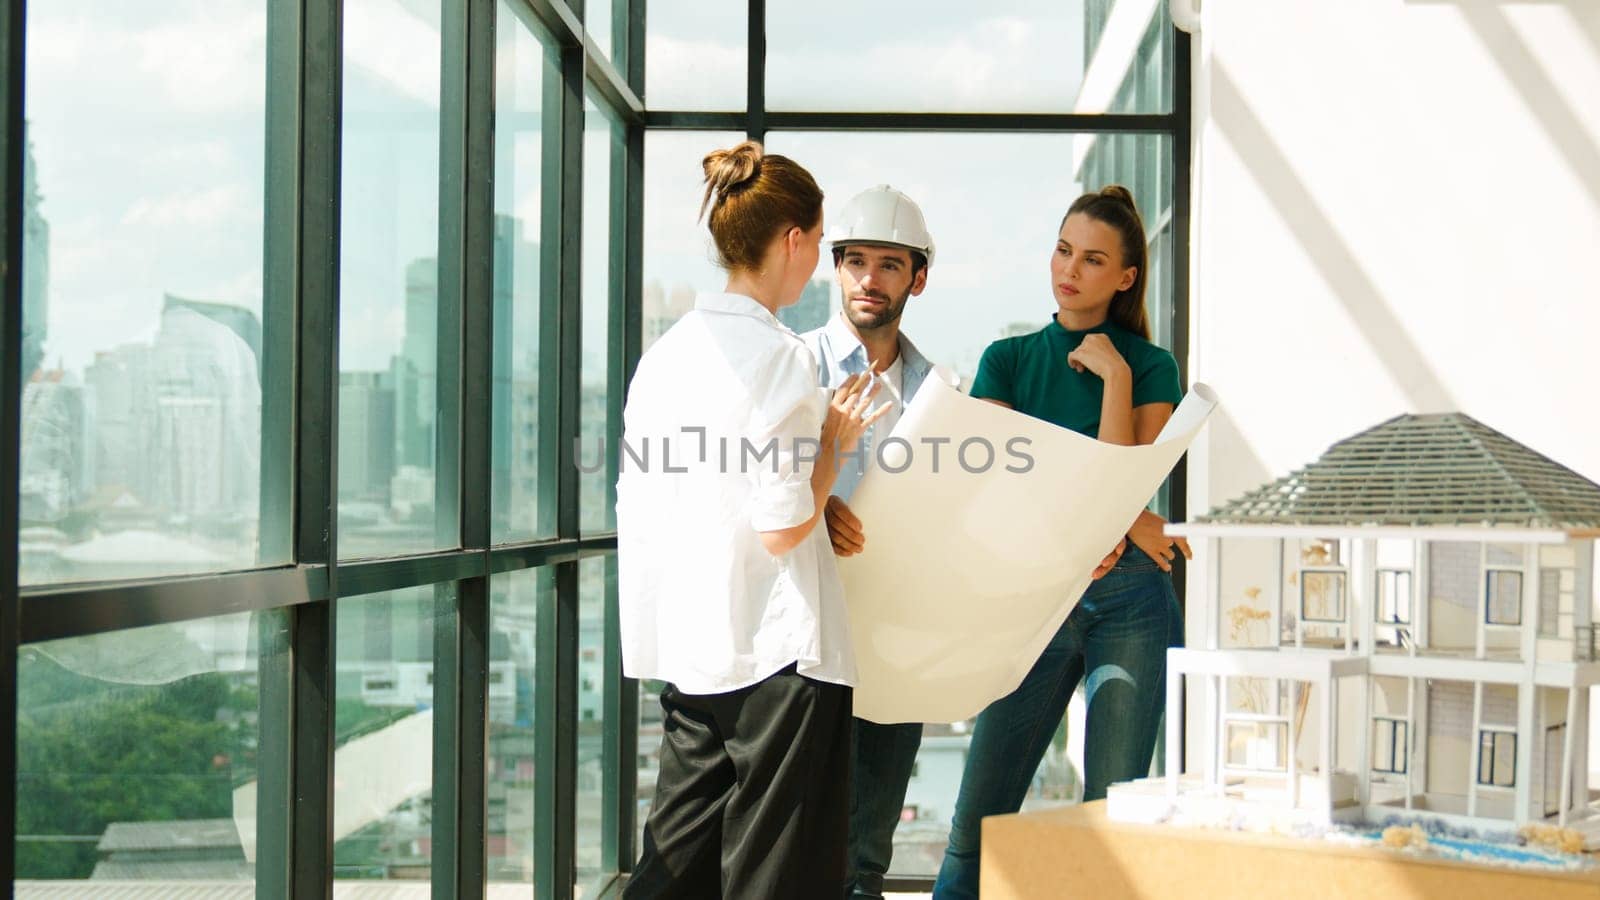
{"x": 839, "y": 355}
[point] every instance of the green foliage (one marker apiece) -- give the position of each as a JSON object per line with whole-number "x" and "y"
{"x": 90, "y": 753}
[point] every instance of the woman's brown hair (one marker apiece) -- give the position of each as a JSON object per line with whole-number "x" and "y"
{"x": 1113, "y": 205}
{"x": 754, "y": 197}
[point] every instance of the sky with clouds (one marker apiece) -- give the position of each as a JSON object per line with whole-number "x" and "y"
{"x": 148, "y": 133}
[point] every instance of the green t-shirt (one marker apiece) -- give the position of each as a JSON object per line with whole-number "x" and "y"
{"x": 1030, "y": 373}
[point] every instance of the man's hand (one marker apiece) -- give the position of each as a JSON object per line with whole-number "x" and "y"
{"x": 1149, "y": 534}
{"x": 1110, "y": 562}
{"x": 844, "y": 529}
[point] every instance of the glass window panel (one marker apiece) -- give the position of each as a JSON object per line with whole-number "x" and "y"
{"x": 650, "y": 731}
{"x": 1389, "y": 746}
{"x": 524, "y": 444}
{"x": 1550, "y": 613}
{"x": 1082, "y": 56}
{"x": 696, "y": 55}
{"x": 597, "y": 20}
{"x": 388, "y": 278}
{"x": 1505, "y": 759}
{"x": 1382, "y": 745}
{"x": 1321, "y": 596}
{"x": 1394, "y": 597}
{"x": 602, "y": 178}
{"x": 136, "y": 753}
{"x": 679, "y": 258}
{"x": 1258, "y": 745}
{"x": 514, "y": 601}
{"x": 142, "y": 288}
{"x": 994, "y": 231}
{"x": 383, "y": 736}
{"x": 1505, "y": 598}
{"x": 596, "y": 594}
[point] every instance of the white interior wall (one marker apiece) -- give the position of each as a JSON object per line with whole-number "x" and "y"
{"x": 1397, "y": 209}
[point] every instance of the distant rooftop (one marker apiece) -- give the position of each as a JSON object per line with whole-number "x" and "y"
{"x": 1440, "y": 470}
{"x": 169, "y": 835}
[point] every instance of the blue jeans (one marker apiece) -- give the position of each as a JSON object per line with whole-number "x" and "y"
{"x": 1118, "y": 633}
{"x": 884, "y": 755}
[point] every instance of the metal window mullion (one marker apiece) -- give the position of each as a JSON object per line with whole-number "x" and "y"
{"x": 756, "y": 72}
{"x": 563, "y": 20}
{"x": 555, "y": 713}
{"x": 623, "y": 327}
{"x": 13, "y": 143}
{"x": 623, "y": 709}
{"x": 611, "y": 88}
{"x": 929, "y": 122}
{"x": 280, "y": 491}
{"x": 1178, "y": 482}
{"x": 77, "y": 610}
{"x": 463, "y": 473}
{"x": 301, "y": 273}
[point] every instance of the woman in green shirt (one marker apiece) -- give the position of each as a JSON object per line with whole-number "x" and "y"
{"x": 1094, "y": 370}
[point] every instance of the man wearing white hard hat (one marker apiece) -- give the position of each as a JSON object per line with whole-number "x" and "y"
{"x": 881, "y": 255}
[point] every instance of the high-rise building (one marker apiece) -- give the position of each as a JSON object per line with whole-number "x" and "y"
{"x": 35, "y": 268}
{"x": 204, "y": 425}
{"x": 178, "y": 423}
{"x": 812, "y": 309}
{"x": 416, "y": 367}
{"x": 661, "y": 310}
{"x": 56, "y": 462}
{"x": 366, "y": 435}
{"x": 242, "y": 322}
{"x": 514, "y": 411}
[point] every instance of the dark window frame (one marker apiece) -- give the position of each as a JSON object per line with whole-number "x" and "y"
{"x": 302, "y": 222}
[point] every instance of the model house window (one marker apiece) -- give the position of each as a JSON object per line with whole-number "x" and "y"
{"x": 1554, "y": 736}
{"x": 1389, "y": 745}
{"x": 1262, "y": 746}
{"x": 1393, "y": 606}
{"x": 1504, "y": 588}
{"x": 1549, "y": 602}
{"x": 1497, "y": 758}
{"x": 1321, "y": 595}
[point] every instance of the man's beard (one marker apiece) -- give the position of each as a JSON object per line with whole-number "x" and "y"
{"x": 871, "y": 320}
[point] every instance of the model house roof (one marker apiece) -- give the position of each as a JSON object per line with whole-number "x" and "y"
{"x": 1442, "y": 469}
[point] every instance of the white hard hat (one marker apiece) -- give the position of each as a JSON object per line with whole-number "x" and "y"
{"x": 882, "y": 216}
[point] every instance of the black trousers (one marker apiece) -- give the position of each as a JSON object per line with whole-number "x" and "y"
{"x": 753, "y": 798}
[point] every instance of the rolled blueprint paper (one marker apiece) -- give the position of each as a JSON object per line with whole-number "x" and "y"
{"x": 983, "y": 526}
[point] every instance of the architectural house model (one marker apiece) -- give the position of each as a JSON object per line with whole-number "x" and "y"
{"x": 1405, "y": 627}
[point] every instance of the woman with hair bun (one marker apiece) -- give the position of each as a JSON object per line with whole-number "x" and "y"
{"x": 727, "y": 587}
{"x": 1092, "y": 369}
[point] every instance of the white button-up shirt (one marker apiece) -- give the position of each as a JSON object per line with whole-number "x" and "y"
{"x": 839, "y": 355}
{"x": 721, "y": 425}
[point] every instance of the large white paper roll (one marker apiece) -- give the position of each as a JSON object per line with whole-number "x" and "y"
{"x": 969, "y": 569}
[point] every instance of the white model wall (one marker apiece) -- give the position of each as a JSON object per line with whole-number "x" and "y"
{"x": 1396, "y": 209}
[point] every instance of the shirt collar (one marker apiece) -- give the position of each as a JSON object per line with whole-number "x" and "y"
{"x": 738, "y": 305}
{"x": 841, "y": 336}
